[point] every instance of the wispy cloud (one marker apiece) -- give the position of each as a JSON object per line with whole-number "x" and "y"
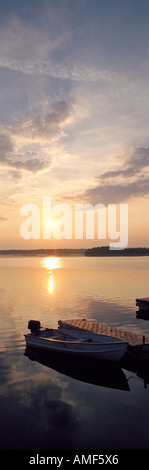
{"x": 19, "y": 39}
{"x": 71, "y": 71}
{"x": 31, "y": 50}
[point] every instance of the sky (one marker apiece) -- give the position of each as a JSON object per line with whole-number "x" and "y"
{"x": 74, "y": 113}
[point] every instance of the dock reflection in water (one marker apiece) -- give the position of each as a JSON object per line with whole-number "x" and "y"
{"x": 92, "y": 371}
{"x": 142, "y": 314}
{"x": 138, "y": 364}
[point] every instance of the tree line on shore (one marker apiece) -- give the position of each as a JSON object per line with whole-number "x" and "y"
{"x": 105, "y": 251}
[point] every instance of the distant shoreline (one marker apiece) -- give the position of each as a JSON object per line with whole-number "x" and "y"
{"x": 44, "y": 252}
{"x": 90, "y": 252}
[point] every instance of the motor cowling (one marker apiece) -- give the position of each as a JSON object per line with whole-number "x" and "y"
{"x": 34, "y": 326}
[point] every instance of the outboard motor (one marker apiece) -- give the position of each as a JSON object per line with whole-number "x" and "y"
{"x": 34, "y": 326}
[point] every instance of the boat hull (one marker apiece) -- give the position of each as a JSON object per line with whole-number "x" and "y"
{"x": 109, "y": 351}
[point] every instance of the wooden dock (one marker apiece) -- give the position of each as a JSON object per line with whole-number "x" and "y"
{"x": 103, "y": 329}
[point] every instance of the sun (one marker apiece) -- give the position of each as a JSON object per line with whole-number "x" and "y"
{"x": 50, "y": 223}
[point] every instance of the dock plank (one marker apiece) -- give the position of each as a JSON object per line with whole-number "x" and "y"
{"x": 100, "y": 328}
{"x": 95, "y": 327}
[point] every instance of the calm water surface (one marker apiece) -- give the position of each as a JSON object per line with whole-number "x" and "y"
{"x": 52, "y": 405}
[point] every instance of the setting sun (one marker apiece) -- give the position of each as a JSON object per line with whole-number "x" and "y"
{"x": 50, "y": 223}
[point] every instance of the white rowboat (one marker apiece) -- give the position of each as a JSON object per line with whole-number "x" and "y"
{"x": 78, "y": 343}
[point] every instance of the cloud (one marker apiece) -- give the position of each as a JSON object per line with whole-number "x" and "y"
{"x": 47, "y": 127}
{"x": 22, "y": 41}
{"x": 111, "y": 194}
{"x": 32, "y": 165}
{"x": 139, "y": 158}
{"x": 8, "y": 157}
{"x": 21, "y": 145}
{"x": 74, "y": 72}
{"x": 6, "y": 147}
{"x": 115, "y": 194}
{"x": 3, "y": 219}
{"x": 113, "y": 187}
{"x": 115, "y": 173}
{"x": 31, "y": 49}
{"x": 130, "y": 166}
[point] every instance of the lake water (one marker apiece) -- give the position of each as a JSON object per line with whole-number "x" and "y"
{"x": 51, "y": 406}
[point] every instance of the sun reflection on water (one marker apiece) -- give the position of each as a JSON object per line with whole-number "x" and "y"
{"x": 51, "y": 263}
{"x": 51, "y": 284}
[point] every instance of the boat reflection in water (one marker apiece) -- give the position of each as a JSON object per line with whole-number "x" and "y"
{"x": 92, "y": 371}
{"x": 95, "y": 371}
